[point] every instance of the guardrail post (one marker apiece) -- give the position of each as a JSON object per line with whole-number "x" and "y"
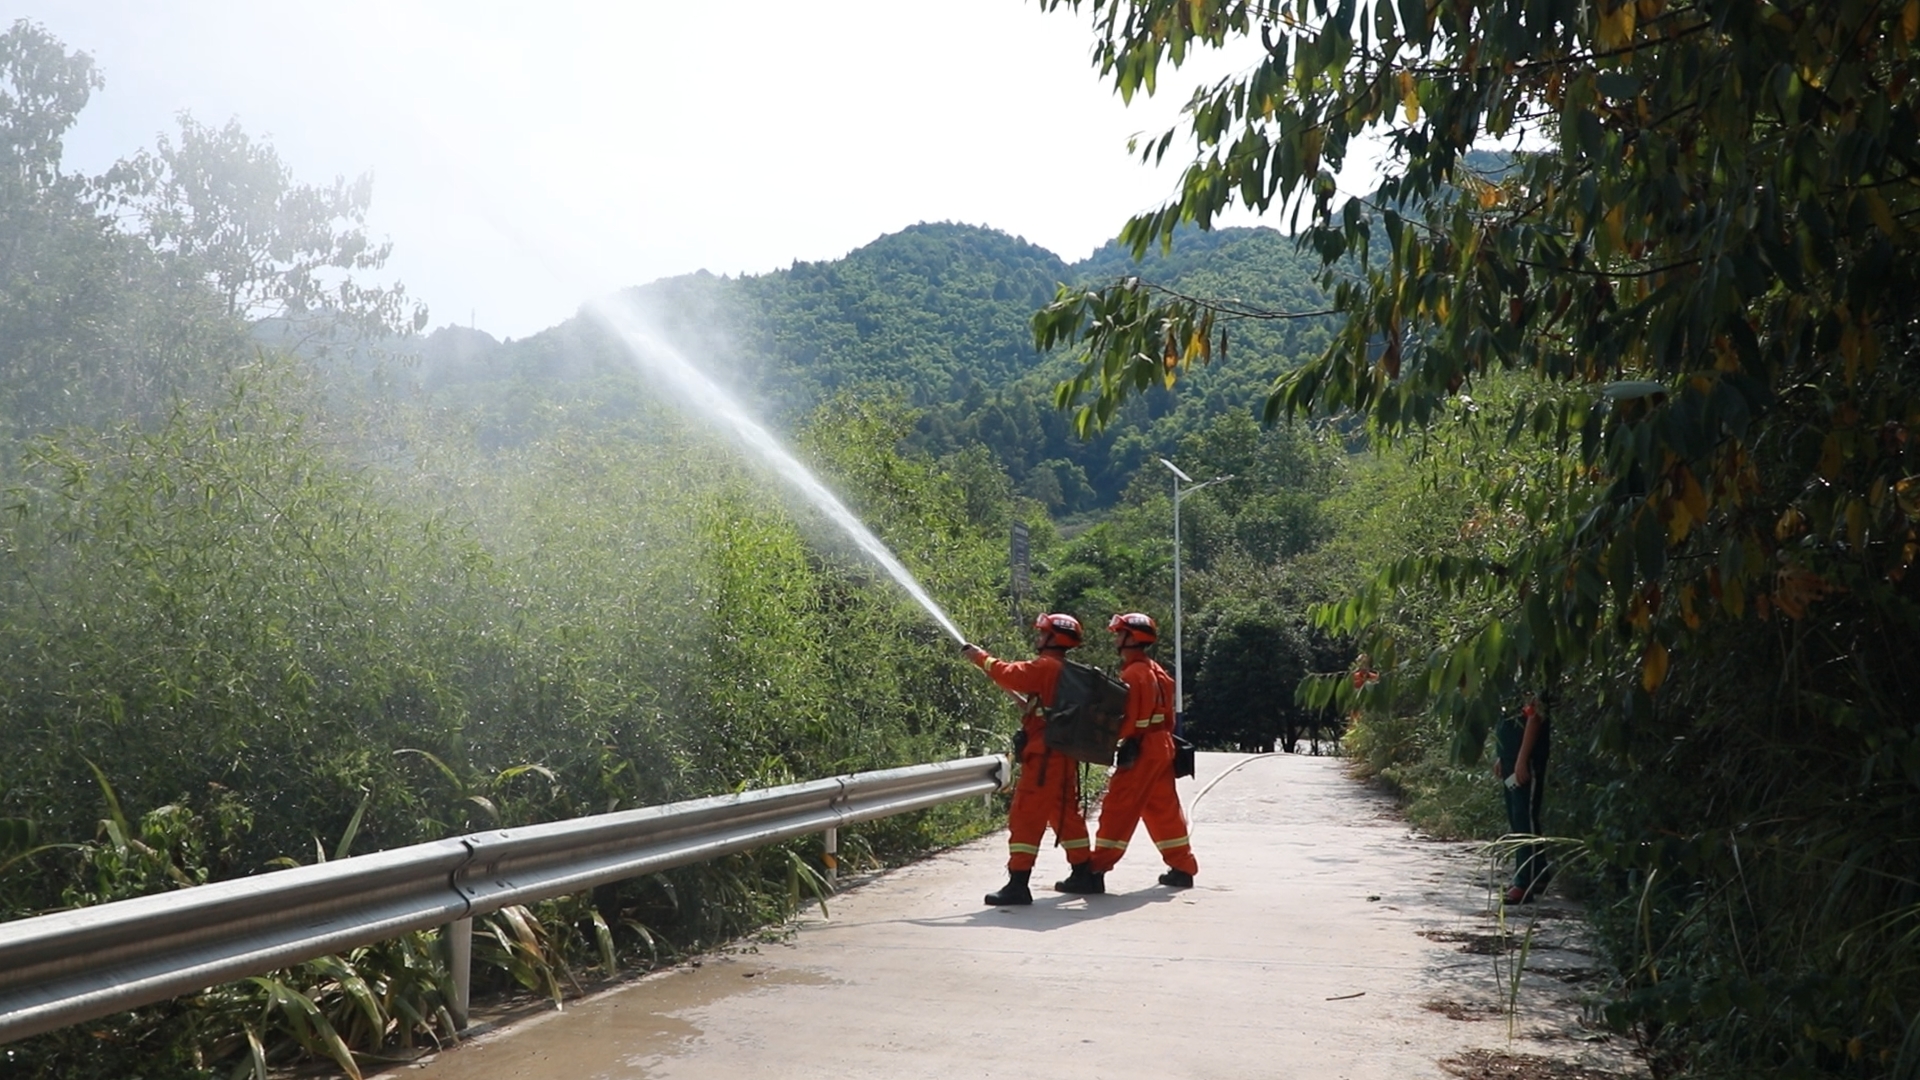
{"x": 459, "y": 935}
{"x": 830, "y": 854}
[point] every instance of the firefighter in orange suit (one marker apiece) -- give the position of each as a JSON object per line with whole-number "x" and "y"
{"x": 1048, "y": 791}
{"x": 1142, "y": 785}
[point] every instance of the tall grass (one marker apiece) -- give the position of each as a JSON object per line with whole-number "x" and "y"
{"x": 232, "y": 641}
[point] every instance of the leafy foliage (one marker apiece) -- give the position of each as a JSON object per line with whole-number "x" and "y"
{"x": 43, "y": 87}
{"x": 252, "y": 618}
{"x": 1703, "y": 256}
{"x": 93, "y": 329}
{"x": 225, "y": 208}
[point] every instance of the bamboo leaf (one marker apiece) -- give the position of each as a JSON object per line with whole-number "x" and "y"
{"x": 345, "y": 846}
{"x": 118, "y": 816}
{"x": 603, "y": 937}
{"x": 254, "y": 1064}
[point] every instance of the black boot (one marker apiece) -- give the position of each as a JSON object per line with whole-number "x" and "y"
{"x": 1177, "y": 879}
{"x": 1014, "y": 892}
{"x": 1083, "y": 879}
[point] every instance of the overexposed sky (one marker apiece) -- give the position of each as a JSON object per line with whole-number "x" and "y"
{"x": 527, "y": 157}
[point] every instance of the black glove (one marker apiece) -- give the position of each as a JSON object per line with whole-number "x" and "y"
{"x": 1019, "y": 742}
{"x": 1129, "y": 753}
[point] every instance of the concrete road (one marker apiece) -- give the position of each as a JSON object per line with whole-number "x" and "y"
{"x": 1324, "y": 940}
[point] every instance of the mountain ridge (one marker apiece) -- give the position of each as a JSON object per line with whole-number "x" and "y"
{"x": 936, "y": 317}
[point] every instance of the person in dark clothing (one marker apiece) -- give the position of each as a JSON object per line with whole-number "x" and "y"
{"x": 1521, "y": 745}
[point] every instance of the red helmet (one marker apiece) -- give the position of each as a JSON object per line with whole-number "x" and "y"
{"x": 1064, "y": 630}
{"x": 1142, "y": 627}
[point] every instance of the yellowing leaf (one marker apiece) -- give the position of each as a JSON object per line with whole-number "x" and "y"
{"x": 1796, "y": 587}
{"x": 1410, "y": 97}
{"x": 1653, "y": 667}
{"x": 1792, "y": 522}
{"x": 1832, "y": 456}
{"x": 1693, "y": 496}
{"x": 1680, "y": 522}
{"x": 1878, "y": 210}
{"x": 1617, "y": 226}
{"x": 1616, "y": 26}
{"x": 1907, "y": 494}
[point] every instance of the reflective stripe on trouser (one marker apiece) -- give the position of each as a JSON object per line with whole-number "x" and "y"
{"x": 1046, "y": 796}
{"x": 1145, "y": 792}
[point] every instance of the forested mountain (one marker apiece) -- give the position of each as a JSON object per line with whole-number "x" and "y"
{"x": 935, "y": 317}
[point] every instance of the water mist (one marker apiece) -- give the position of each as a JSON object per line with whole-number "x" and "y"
{"x": 667, "y": 363}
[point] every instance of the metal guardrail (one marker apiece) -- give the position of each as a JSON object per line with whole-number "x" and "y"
{"x": 77, "y": 965}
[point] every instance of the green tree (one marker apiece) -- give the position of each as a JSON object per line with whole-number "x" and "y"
{"x": 1253, "y": 659}
{"x": 90, "y": 331}
{"x": 224, "y": 207}
{"x": 43, "y": 87}
{"x": 1704, "y": 254}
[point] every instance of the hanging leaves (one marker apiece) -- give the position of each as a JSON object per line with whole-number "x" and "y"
{"x": 1716, "y": 248}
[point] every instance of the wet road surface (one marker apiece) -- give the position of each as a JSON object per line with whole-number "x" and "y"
{"x": 1323, "y": 940}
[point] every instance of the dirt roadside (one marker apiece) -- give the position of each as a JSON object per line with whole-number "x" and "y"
{"x": 1323, "y": 940}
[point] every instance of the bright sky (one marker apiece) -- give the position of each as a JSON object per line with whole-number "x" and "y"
{"x": 527, "y": 157}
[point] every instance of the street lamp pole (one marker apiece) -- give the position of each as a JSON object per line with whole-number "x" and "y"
{"x": 1179, "y": 682}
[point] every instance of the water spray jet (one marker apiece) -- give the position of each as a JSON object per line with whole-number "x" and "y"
{"x": 662, "y": 358}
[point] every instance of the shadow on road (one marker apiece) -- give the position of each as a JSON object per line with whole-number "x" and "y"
{"x": 1052, "y": 912}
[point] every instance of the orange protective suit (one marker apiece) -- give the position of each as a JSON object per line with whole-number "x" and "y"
{"x": 1144, "y": 790}
{"x": 1048, "y": 791}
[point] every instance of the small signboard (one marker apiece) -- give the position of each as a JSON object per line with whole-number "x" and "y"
{"x": 1017, "y": 561}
